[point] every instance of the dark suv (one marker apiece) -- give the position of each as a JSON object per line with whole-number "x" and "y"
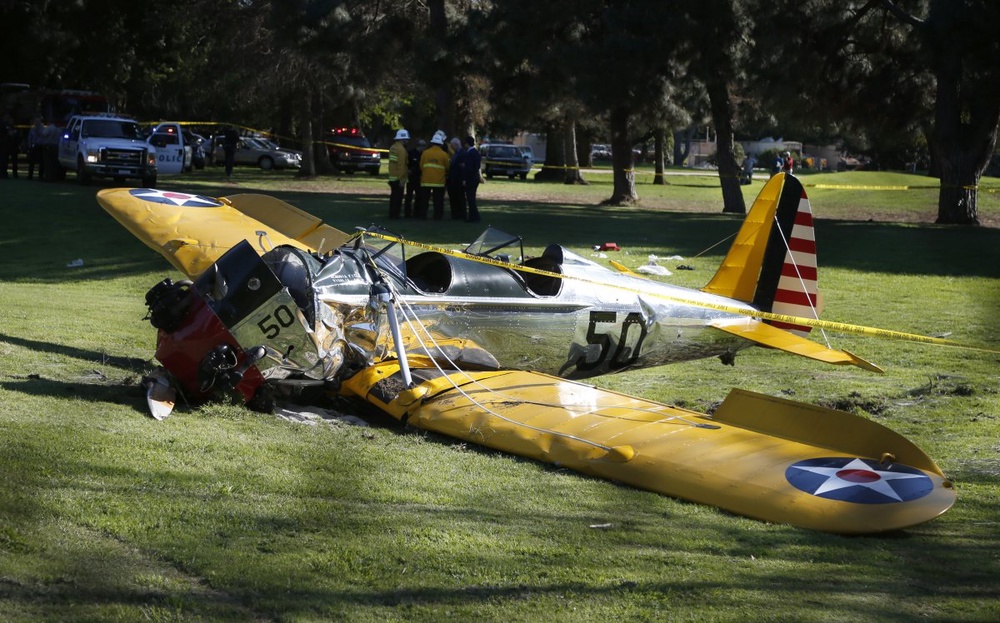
{"x": 350, "y": 151}
{"x": 504, "y": 159}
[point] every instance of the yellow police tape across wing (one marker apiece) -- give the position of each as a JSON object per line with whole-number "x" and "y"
{"x": 761, "y": 315}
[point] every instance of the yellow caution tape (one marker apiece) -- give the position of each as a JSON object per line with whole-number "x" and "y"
{"x": 352, "y": 147}
{"x": 899, "y": 187}
{"x": 731, "y": 309}
{"x": 863, "y": 187}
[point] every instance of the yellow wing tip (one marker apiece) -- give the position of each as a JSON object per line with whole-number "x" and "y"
{"x": 766, "y": 335}
{"x": 862, "y": 363}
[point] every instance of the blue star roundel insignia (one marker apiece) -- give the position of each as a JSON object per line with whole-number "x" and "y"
{"x": 183, "y": 200}
{"x": 861, "y": 481}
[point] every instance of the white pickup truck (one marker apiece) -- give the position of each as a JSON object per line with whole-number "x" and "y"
{"x": 107, "y": 146}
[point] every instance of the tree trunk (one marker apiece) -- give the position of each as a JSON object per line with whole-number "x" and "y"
{"x": 963, "y": 141}
{"x": 319, "y": 150}
{"x": 729, "y": 169}
{"x": 958, "y": 197}
{"x": 584, "y": 149}
{"x": 308, "y": 169}
{"x": 659, "y": 138}
{"x": 443, "y": 99}
{"x": 555, "y": 158}
{"x": 682, "y": 145}
{"x": 286, "y": 121}
{"x": 624, "y": 192}
{"x": 572, "y": 170}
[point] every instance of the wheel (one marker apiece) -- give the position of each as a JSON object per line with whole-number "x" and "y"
{"x": 373, "y": 172}
{"x": 489, "y": 174}
{"x": 266, "y": 163}
{"x": 511, "y": 176}
{"x": 81, "y": 172}
{"x": 524, "y": 176}
{"x": 149, "y": 181}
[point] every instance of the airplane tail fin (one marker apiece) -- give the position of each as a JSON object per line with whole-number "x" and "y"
{"x": 772, "y": 262}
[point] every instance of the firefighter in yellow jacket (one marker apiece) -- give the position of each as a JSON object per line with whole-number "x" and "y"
{"x": 434, "y": 164}
{"x": 397, "y": 172}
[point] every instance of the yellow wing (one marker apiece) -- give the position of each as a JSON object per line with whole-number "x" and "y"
{"x": 744, "y": 459}
{"x": 193, "y": 231}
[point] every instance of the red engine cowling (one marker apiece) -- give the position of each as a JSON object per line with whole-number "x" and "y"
{"x": 204, "y": 357}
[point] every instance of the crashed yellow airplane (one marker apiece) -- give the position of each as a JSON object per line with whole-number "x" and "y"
{"x": 476, "y": 346}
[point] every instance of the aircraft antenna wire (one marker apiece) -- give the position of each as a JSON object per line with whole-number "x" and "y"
{"x": 706, "y": 250}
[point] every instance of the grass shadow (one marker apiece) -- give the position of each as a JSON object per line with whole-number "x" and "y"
{"x": 90, "y": 356}
{"x": 50, "y": 225}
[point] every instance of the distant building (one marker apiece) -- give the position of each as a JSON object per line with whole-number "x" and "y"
{"x": 535, "y": 141}
{"x": 769, "y": 143}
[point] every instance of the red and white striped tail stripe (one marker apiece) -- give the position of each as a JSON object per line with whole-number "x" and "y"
{"x": 797, "y": 291}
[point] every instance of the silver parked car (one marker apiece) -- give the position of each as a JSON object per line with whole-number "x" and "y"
{"x": 262, "y": 153}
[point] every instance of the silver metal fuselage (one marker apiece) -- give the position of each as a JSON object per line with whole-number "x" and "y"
{"x": 586, "y": 322}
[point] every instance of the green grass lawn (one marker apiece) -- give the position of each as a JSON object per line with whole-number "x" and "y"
{"x": 223, "y": 514}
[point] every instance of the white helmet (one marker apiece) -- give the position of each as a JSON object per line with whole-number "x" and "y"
{"x": 438, "y": 138}
{"x": 402, "y": 135}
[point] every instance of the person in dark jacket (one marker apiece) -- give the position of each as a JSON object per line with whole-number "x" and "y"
{"x": 413, "y": 181}
{"x": 473, "y": 161}
{"x": 230, "y": 139}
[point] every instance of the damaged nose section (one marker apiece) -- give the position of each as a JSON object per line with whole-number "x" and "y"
{"x": 216, "y": 365}
{"x": 221, "y": 367}
{"x": 264, "y": 325}
{"x": 168, "y": 304}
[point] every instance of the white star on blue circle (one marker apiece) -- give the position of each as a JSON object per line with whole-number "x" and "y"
{"x": 174, "y": 198}
{"x": 860, "y": 481}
